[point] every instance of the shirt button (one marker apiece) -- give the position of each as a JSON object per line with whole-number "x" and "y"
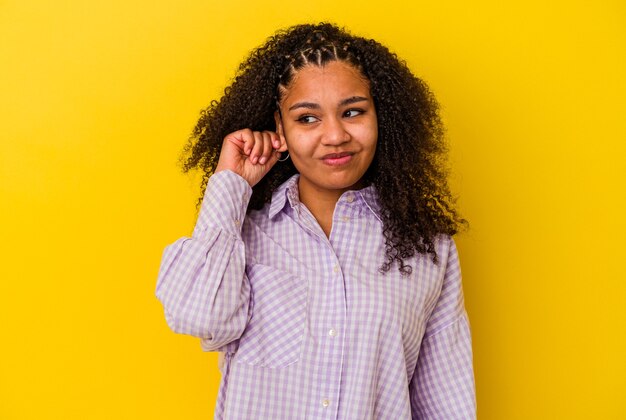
{"x": 345, "y": 218}
{"x": 332, "y": 332}
{"x": 325, "y": 402}
{"x": 237, "y": 222}
{"x": 350, "y": 198}
{"x": 336, "y": 268}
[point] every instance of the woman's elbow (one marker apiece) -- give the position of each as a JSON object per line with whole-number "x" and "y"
{"x": 215, "y": 331}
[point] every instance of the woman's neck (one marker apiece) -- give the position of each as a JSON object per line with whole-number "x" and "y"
{"x": 321, "y": 203}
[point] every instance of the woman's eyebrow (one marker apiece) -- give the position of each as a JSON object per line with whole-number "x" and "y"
{"x": 308, "y": 105}
{"x": 313, "y": 105}
{"x": 352, "y": 100}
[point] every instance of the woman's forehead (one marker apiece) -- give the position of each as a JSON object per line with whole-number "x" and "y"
{"x": 335, "y": 79}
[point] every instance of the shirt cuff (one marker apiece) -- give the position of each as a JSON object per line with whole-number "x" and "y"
{"x": 224, "y": 204}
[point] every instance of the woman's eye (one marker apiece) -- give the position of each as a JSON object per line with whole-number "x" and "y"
{"x": 307, "y": 119}
{"x": 352, "y": 113}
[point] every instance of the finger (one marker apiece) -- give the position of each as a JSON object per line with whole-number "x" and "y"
{"x": 257, "y": 149}
{"x": 275, "y": 139}
{"x": 279, "y": 142}
{"x": 267, "y": 147}
{"x": 247, "y": 138}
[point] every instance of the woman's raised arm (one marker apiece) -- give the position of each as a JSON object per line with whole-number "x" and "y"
{"x": 202, "y": 283}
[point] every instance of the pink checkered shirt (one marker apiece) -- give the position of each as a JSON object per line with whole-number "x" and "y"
{"x": 308, "y": 326}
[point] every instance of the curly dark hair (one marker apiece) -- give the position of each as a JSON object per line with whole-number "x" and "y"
{"x": 409, "y": 168}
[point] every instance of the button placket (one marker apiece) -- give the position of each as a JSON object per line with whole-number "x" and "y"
{"x": 331, "y": 326}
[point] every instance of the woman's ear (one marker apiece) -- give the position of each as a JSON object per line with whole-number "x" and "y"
{"x": 280, "y": 131}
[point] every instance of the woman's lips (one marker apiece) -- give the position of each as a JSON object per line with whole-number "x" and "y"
{"x": 337, "y": 159}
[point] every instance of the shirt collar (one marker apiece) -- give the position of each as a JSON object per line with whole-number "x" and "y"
{"x": 369, "y": 196}
{"x": 288, "y": 192}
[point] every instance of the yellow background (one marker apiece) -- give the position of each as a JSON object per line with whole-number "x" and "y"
{"x": 98, "y": 98}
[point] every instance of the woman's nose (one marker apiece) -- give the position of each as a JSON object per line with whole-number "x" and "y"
{"x": 335, "y": 132}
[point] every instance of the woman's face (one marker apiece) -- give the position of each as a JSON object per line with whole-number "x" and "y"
{"x": 330, "y": 127}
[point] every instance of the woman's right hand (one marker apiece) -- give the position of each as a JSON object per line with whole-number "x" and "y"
{"x": 250, "y": 154}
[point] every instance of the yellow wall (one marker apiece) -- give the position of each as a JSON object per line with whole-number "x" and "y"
{"x": 97, "y": 99}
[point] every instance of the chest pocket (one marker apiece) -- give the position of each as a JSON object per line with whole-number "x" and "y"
{"x": 274, "y": 335}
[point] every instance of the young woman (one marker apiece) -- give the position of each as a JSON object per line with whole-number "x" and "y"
{"x": 322, "y": 264}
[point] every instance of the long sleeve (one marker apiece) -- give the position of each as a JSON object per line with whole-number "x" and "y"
{"x": 442, "y": 386}
{"x": 202, "y": 282}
